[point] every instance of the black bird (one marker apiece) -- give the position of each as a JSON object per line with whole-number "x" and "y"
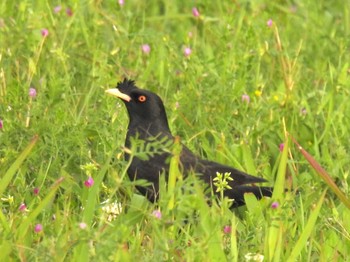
{"x": 148, "y": 120}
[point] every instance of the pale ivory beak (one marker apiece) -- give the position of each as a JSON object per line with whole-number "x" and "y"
{"x": 117, "y": 93}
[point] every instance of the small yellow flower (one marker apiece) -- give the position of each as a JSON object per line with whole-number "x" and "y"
{"x": 258, "y": 93}
{"x": 275, "y": 97}
{"x": 254, "y": 257}
{"x": 89, "y": 168}
{"x": 112, "y": 210}
{"x": 8, "y": 199}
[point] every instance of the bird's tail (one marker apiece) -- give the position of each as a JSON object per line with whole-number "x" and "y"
{"x": 237, "y": 193}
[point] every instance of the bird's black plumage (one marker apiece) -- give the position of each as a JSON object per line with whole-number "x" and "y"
{"x": 148, "y": 120}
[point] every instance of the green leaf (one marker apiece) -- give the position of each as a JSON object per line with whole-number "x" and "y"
{"x": 5, "y": 180}
{"x": 5, "y": 250}
{"x": 279, "y": 187}
{"x": 306, "y": 231}
{"x": 275, "y": 228}
{"x": 248, "y": 159}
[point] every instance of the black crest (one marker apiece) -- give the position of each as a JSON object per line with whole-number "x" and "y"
{"x": 126, "y": 84}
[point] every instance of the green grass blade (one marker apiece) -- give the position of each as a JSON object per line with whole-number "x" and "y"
{"x": 275, "y": 228}
{"x": 273, "y": 236}
{"x": 4, "y": 223}
{"x": 307, "y": 230}
{"x": 5, "y": 180}
{"x": 5, "y": 250}
{"x": 253, "y": 205}
{"x": 279, "y": 184}
{"x": 211, "y": 233}
{"x": 248, "y": 159}
{"x": 279, "y": 248}
{"x": 234, "y": 247}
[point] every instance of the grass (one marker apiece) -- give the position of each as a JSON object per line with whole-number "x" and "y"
{"x": 295, "y": 71}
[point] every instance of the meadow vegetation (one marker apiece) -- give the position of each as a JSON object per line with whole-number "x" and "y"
{"x": 238, "y": 79}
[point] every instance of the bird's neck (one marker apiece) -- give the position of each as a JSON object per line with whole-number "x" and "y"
{"x": 152, "y": 129}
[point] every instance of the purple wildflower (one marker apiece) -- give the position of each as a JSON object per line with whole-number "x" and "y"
{"x": 69, "y": 12}
{"x": 245, "y": 98}
{"x": 269, "y": 22}
{"x": 38, "y": 228}
{"x": 227, "y": 229}
{"x": 275, "y": 205}
{"x": 22, "y": 207}
{"x": 195, "y": 12}
{"x": 44, "y": 32}
{"x": 36, "y": 191}
{"x": 82, "y": 225}
{"x": 32, "y": 92}
{"x": 57, "y": 9}
{"x": 157, "y": 214}
{"x": 1, "y": 124}
{"x": 146, "y": 49}
{"x": 187, "y": 51}
{"x": 281, "y": 146}
{"x": 89, "y": 182}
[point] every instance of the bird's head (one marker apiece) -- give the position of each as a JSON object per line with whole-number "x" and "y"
{"x": 144, "y": 107}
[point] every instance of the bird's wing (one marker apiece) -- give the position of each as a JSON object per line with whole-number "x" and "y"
{"x": 149, "y": 169}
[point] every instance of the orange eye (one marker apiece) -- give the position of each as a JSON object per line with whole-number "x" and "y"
{"x": 142, "y": 99}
